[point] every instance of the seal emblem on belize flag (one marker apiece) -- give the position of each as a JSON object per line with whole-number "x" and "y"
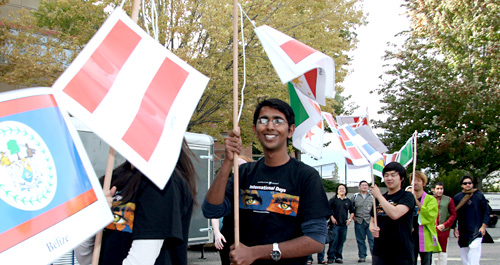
{"x": 47, "y": 183}
{"x": 30, "y": 176}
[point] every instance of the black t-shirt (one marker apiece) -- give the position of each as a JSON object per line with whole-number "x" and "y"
{"x": 395, "y": 241}
{"x": 274, "y": 202}
{"x": 341, "y": 209}
{"x": 159, "y": 214}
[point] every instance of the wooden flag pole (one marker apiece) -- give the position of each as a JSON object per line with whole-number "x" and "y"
{"x": 373, "y": 176}
{"x": 235, "y": 126}
{"x": 374, "y": 203}
{"x": 105, "y": 187}
{"x": 111, "y": 160}
{"x": 414, "y": 161}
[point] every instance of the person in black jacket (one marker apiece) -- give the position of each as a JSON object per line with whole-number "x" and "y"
{"x": 473, "y": 216}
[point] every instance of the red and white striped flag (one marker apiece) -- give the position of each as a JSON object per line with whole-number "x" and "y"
{"x": 310, "y": 71}
{"x": 134, "y": 93}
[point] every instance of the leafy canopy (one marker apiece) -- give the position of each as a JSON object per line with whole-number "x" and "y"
{"x": 445, "y": 85}
{"x": 199, "y": 32}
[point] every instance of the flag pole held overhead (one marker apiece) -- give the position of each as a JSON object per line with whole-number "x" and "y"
{"x": 109, "y": 166}
{"x": 414, "y": 160}
{"x": 235, "y": 125}
{"x": 372, "y": 175}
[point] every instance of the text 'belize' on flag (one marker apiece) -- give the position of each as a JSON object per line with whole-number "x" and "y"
{"x": 134, "y": 93}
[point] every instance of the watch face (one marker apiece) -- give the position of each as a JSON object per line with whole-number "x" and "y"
{"x": 275, "y": 255}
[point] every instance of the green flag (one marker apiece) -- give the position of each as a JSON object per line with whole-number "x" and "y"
{"x": 406, "y": 153}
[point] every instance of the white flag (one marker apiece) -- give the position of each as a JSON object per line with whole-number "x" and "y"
{"x": 310, "y": 71}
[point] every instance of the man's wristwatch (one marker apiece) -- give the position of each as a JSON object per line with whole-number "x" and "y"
{"x": 276, "y": 253}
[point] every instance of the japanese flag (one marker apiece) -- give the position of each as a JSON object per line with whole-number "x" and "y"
{"x": 310, "y": 71}
{"x": 133, "y": 93}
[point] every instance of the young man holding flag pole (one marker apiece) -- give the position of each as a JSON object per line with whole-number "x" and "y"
{"x": 283, "y": 207}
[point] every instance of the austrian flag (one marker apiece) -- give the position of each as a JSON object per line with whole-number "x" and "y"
{"x": 133, "y": 93}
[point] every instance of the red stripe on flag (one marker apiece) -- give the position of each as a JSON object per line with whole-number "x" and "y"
{"x": 343, "y": 135}
{"x": 311, "y": 78}
{"x": 36, "y": 225}
{"x": 342, "y": 144}
{"x": 354, "y": 153}
{"x": 147, "y": 126}
{"x": 26, "y": 104}
{"x": 91, "y": 84}
{"x": 297, "y": 50}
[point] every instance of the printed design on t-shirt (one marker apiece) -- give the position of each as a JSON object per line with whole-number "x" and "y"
{"x": 123, "y": 217}
{"x": 267, "y": 200}
{"x": 284, "y": 204}
{"x": 380, "y": 210}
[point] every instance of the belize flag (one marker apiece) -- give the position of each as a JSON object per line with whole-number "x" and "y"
{"x": 45, "y": 180}
{"x": 134, "y": 94}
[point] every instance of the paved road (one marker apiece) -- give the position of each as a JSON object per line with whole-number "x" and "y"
{"x": 490, "y": 252}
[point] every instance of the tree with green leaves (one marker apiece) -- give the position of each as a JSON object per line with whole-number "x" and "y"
{"x": 38, "y": 45}
{"x": 445, "y": 84}
{"x": 199, "y": 32}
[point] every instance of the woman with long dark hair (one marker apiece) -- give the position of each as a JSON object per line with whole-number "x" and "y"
{"x": 150, "y": 225}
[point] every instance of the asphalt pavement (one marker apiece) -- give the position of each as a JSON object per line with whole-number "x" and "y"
{"x": 490, "y": 252}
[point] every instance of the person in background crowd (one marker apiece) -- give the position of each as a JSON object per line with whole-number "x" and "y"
{"x": 393, "y": 244}
{"x": 151, "y": 225}
{"x": 446, "y": 217}
{"x": 283, "y": 205}
{"x": 473, "y": 215}
{"x": 424, "y": 221}
{"x": 343, "y": 212}
{"x": 363, "y": 206}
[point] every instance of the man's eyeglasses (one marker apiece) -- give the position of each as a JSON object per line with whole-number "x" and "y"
{"x": 265, "y": 121}
{"x": 466, "y": 183}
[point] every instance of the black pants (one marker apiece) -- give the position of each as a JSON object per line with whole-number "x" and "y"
{"x": 376, "y": 260}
